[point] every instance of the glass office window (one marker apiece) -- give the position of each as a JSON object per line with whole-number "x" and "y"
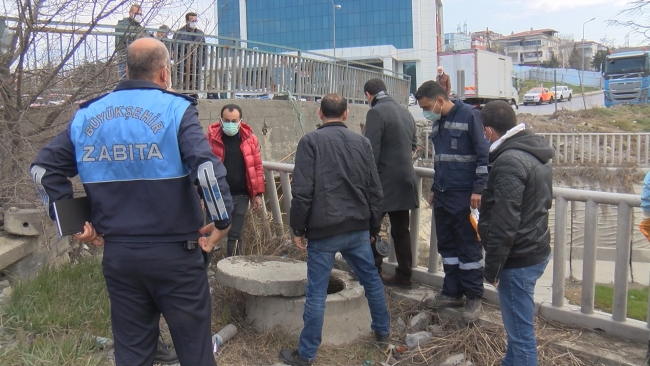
{"x": 308, "y": 24}
{"x": 228, "y": 22}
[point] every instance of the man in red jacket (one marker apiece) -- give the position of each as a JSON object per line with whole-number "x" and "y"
{"x": 234, "y": 143}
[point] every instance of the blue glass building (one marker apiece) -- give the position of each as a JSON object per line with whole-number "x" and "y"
{"x": 399, "y": 35}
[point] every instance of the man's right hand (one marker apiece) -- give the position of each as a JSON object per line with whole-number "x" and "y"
{"x": 430, "y": 198}
{"x": 208, "y": 243}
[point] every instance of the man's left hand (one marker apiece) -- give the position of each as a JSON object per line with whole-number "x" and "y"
{"x": 208, "y": 243}
{"x": 299, "y": 242}
{"x": 475, "y": 201}
{"x": 89, "y": 235}
{"x": 257, "y": 204}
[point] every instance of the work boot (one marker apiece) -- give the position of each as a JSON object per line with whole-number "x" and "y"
{"x": 291, "y": 357}
{"x": 382, "y": 340}
{"x": 164, "y": 355}
{"x": 397, "y": 281}
{"x": 442, "y": 301}
{"x": 472, "y": 309}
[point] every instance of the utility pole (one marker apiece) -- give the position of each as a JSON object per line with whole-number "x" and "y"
{"x": 582, "y": 77}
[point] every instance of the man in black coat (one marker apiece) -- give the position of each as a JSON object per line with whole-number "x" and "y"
{"x": 391, "y": 130}
{"x": 514, "y": 223}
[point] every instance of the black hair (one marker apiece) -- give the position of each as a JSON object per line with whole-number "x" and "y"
{"x": 333, "y": 106}
{"x": 374, "y": 86}
{"x": 190, "y": 14}
{"x": 431, "y": 90}
{"x": 230, "y": 108}
{"x": 498, "y": 115}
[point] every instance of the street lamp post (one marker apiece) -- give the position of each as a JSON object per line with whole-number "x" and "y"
{"x": 582, "y": 77}
{"x": 334, "y": 8}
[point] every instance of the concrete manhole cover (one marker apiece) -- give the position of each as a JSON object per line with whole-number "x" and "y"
{"x": 263, "y": 276}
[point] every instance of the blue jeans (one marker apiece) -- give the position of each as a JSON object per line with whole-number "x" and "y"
{"x": 355, "y": 248}
{"x": 516, "y": 290}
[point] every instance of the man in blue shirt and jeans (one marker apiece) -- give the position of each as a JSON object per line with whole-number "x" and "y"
{"x": 336, "y": 214}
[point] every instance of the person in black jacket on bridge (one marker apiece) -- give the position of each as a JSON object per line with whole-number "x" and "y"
{"x": 514, "y": 224}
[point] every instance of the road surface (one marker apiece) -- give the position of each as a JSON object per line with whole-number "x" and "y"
{"x": 595, "y": 100}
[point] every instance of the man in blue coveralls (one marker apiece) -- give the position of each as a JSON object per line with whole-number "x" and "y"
{"x": 461, "y": 166}
{"x": 139, "y": 152}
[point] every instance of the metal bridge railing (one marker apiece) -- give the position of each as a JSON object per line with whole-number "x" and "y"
{"x": 219, "y": 66}
{"x": 606, "y": 149}
{"x": 617, "y": 323}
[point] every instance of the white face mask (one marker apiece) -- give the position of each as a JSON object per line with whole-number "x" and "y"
{"x": 137, "y": 18}
{"x": 191, "y": 25}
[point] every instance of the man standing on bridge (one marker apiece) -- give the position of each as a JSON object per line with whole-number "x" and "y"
{"x": 460, "y": 164}
{"x": 337, "y": 200}
{"x": 139, "y": 152}
{"x": 514, "y": 224}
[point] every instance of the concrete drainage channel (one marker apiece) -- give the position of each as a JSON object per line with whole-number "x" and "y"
{"x": 275, "y": 297}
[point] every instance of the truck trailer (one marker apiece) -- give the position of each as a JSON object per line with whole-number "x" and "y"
{"x": 478, "y": 76}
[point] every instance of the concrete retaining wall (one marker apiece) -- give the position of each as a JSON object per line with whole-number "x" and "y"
{"x": 275, "y": 122}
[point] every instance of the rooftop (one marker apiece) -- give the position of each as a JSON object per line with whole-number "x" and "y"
{"x": 533, "y": 32}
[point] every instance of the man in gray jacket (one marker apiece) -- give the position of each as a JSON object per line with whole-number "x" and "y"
{"x": 391, "y": 130}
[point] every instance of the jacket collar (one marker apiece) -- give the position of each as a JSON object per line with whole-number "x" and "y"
{"x": 333, "y": 124}
{"x": 381, "y": 95}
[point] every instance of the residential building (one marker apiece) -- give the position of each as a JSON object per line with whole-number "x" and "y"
{"x": 531, "y": 47}
{"x": 457, "y": 41}
{"x": 590, "y": 49}
{"x": 399, "y": 35}
{"x": 486, "y": 40}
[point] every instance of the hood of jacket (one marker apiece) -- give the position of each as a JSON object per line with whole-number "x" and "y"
{"x": 528, "y": 142}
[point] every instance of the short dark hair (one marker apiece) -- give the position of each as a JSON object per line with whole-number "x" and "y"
{"x": 333, "y": 106}
{"x": 374, "y": 86}
{"x": 164, "y": 29}
{"x": 432, "y": 90}
{"x": 190, "y": 14}
{"x": 143, "y": 64}
{"x": 230, "y": 108}
{"x": 499, "y": 115}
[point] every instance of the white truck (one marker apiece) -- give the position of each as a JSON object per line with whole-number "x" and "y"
{"x": 562, "y": 93}
{"x": 478, "y": 76}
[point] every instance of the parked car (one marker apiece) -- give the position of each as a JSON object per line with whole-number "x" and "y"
{"x": 562, "y": 92}
{"x": 411, "y": 100}
{"x": 539, "y": 96}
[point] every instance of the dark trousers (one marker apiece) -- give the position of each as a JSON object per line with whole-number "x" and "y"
{"x": 399, "y": 231}
{"x": 240, "y": 209}
{"x": 147, "y": 279}
{"x": 458, "y": 245}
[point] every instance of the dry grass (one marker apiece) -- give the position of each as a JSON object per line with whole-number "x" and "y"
{"x": 483, "y": 344}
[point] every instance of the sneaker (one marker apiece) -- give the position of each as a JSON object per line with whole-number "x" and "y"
{"x": 442, "y": 301}
{"x": 472, "y": 309}
{"x": 164, "y": 355}
{"x": 291, "y": 357}
{"x": 395, "y": 281}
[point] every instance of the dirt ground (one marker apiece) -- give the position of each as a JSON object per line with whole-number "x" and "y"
{"x": 615, "y": 119}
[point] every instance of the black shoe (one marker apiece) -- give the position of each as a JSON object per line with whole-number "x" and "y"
{"x": 382, "y": 339}
{"x": 164, "y": 355}
{"x": 472, "y": 309}
{"x": 291, "y": 357}
{"x": 397, "y": 281}
{"x": 442, "y": 301}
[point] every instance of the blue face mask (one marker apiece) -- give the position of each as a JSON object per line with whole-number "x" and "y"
{"x": 431, "y": 116}
{"x": 230, "y": 128}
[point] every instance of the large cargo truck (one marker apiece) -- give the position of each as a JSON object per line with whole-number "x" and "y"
{"x": 627, "y": 78}
{"x": 478, "y": 76}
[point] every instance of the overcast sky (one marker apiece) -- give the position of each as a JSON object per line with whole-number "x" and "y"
{"x": 565, "y": 16}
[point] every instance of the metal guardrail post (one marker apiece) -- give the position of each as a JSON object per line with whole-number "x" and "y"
{"x": 415, "y": 224}
{"x": 271, "y": 191}
{"x": 623, "y": 228}
{"x": 559, "y": 251}
{"x": 589, "y": 257}
{"x": 286, "y": 196}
